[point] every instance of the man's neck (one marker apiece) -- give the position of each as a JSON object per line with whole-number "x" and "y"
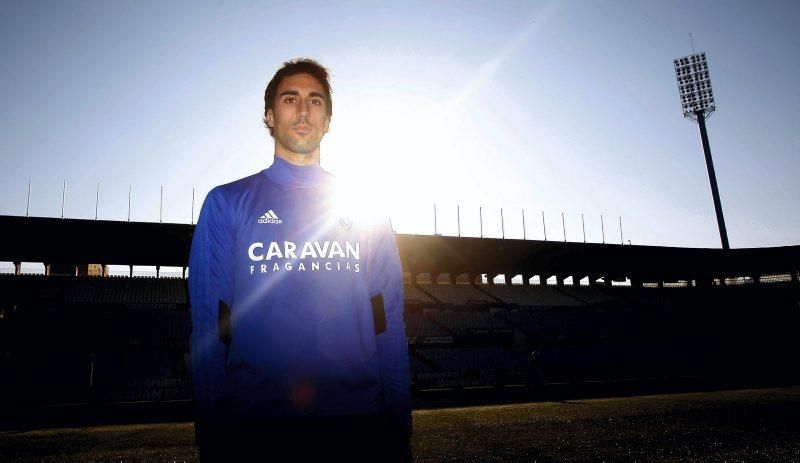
{"x": 299, "y": 159}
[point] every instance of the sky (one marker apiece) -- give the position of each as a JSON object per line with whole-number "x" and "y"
{"x": 551, "y": 107}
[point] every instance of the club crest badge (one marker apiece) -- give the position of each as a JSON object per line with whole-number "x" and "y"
{"x": 346, "y": 223}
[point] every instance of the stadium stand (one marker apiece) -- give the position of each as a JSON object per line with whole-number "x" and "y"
{"x": 468, "y": 321}
{"x": 779, "y": 278}
{"x": 137, "y": 290}
{"x": 421, "y": 365}
{"x": 465, "y": 358}
{"x": 414, "y": 295}
{"x": 457, "y": 294}
{"x": 95, "y": 290}
{"x": 108, "y": 339}
{"x": 140, "y": 375}
{"x": 418, "y": 325}
{"x": 96, "y": 337}
{"x": 532, "y": 295}
{"x": 590, "y": 295}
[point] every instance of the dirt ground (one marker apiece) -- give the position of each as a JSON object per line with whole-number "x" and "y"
{"x": 735, "y": 425}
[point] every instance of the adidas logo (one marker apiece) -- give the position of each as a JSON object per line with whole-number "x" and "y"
{"x": 269, "y": 217}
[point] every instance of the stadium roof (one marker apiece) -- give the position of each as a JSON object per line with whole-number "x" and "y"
{"x": 77, "y": 241}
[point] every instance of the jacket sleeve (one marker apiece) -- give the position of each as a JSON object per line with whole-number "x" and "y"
{"x": 386, "y": 279}
{"x": 210, "y": 286}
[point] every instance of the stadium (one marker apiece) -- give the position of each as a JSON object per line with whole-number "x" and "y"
{"x": 88, "y": 356}
{"x": 249, "y": 305}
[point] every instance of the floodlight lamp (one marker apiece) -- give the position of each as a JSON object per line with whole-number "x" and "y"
{"x": 694, "y": 85}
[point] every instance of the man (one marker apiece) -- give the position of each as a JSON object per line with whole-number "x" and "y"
{"x": 297, "y": 310}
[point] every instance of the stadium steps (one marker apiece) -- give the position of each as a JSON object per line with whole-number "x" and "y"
{"x": 490, "y": 296}
{"x": 419, "y": 287}
{"x": 438, "y": 323}
{"x": 560, "y": 290}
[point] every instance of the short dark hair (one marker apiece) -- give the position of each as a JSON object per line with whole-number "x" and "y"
{"x": 293, "y": 67}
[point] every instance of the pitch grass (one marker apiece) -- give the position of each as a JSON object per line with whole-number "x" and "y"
{"x": 740, "y": 425}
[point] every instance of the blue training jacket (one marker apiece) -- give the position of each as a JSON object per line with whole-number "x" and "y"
{"x": 297, "y": 305}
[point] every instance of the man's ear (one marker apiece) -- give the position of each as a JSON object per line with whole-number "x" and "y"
{"x": 327, "y": 125}
{"x": 270, "y": 118}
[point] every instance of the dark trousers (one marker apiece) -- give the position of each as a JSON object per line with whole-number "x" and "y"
{"x": 370, "y": 438}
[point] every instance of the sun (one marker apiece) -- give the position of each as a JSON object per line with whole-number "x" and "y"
{"x": 388, "y": 151}
{"x": 359, "y": 199}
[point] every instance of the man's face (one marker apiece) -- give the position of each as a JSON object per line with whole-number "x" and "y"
{"x": 299, "y": 117}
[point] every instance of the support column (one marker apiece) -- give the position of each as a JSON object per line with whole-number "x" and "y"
{"x": 17, "y": 268}
{"x": 712, "y": 177}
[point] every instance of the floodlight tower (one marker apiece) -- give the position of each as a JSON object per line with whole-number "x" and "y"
{"x": 697, "y": 101}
